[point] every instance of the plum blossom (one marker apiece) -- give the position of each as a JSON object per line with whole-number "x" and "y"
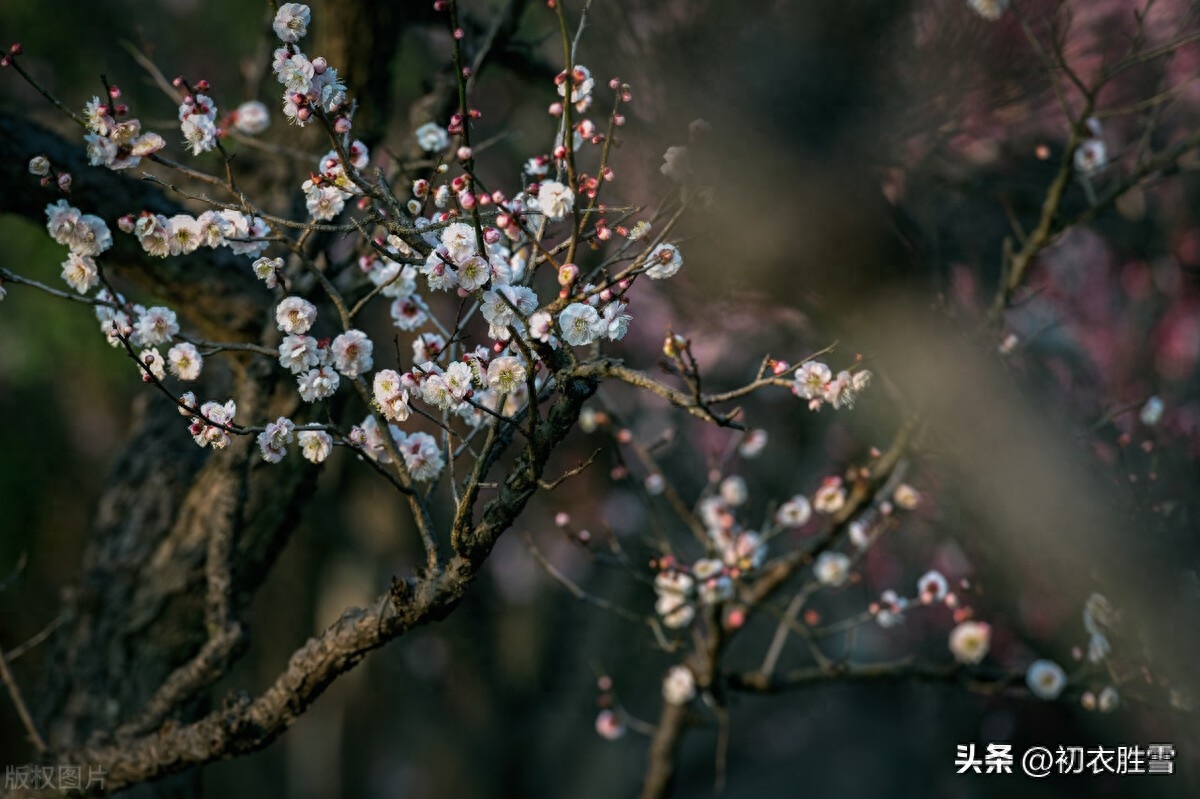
{"x": 555, "y": 200}
{"x": 206, "y": 434}
{"x": 352, "y": 353}
{"x": 185, "y": 361}
{"x": 318, "y": 383}
{"x": 267, "y": 270}
{"x": 295, "y": 315}
{"x": 155, "y": 326}
{"x": 274, "y": 440}
{"x": 422, "y": 456}
{"x": 795, "y": 512}
{"x": 580, "y": 324}
{"x": 663, "y": 262}
{"x": 832, "y": 568}
{"x": 505, "y": 375}
{"x": 80, "y": 273}
{"x": 1045, "y": 679}
{"x": 298, "y": 353}
{"x": 251, "y": 118}
{"x": 291, "y": 22}
{"x": 988, "y": 9}
{"x": 315, "y": 445}
{"x": 609, "y": 725}
{"x": 391, "y": 396}
{"x": 679, "y": 687}
{"x": 811, "y": 379}
{"x": 830, "y": 497}
{"x": 932, "y": 587}
{"x": 432, "y": 137}
{"x": 969, "y": 641}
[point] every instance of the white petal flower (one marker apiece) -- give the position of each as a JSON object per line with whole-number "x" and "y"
{"x": 679, "y": 687}
{"x": 295, "y": 315}
{"x": 555, "y": 200}
{"x": 185, "y": 361}
{"x": 832, "y": 568}
{"x": 663, "y": 262}
{"x": 318, "y": 384}
{"x": 579, "y": 323}
{"x": 795, "y": 512}
{"x": 1045, "y": 679}
{"x": 298, "y": 353}
{"x": 505, "y": 375}
{"x": 315, "y": 445}
{"x": 432, "y": 137}
{"x": 969, "y": 641}
{"x": 291, "y": 22}
{"x": 352, "y": 353}
{"x": 251, "y": 118}
{"x": 80, "y": 273}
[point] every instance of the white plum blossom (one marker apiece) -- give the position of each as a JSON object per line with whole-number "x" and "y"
{"x": 474, "y": 272}
{"x": 408, "y": 314}
{"x": 154, "y": 234}
{"x": 206, "y": 434}
{"x": 1091, "y": 156}
{"x": 811, "y": 379}
{"x": 832, "y": 568}
{"x": 185, "y": 361}
{"x": 609, "y": 725}
{"x": 295, "y": 315}
{"x": 458, "y": 377}
{"x": 795, "y": 512}
{"x": 427, "y": 346}
{"x": 1045, "y": 679}
{"x": 274, "y": 440}
{"x": 422, "y": 456}
{"x": 291, "y": 22}
{"x": 296, "y": 74}
{"x": 891, "y": 609}
{"x": 298, "y": 353}
{"x": 679, "y": 687}
{"x": 505, "y": 375}
{"x": 199, "y": 133}
{"x": 352, "y": 353}
{"x": 391, "y": 396}
{"x": 184, "y": 235}
{"x": 1152, "y": 412}
{"x": 555, "y": 200}
{"x": 988, "y": 9}
{"x": 432, "y": 137}
{"x": 213, "y": 228}
{"x": 615, "y": 320}
{"x": 753, "y": 444}
{"x": 663, "y": 262}
{"x": 580, "y": 324}
{"x": 156, "y": 325}
{"x": 315, "y": 445}
{"x": 906, "y": 497}
{"x": 267, "y": 270}
{"x": 152, "y": 360}
{"x": 830, "y": 497}
{"x": 323, "y": 201}
{"x": 932, "y": 587}
{"x": 459, "y": 240}
{"x": 733, "y": 490}
{"x": 969, "y": 641}
{"x": 83, "y": 234}
{"x": 1108, "y": 700}
{"x": 582, "y": 83}
{"x": 251, "y": 118}
{"x": 80, "y": 273}
{"x": 318, "y": 383}
{"x": 541, "y": 326}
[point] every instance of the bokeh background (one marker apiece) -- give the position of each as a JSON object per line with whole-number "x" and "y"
{"x": 865, "y": 160}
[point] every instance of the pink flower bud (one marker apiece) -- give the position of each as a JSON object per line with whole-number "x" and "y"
{"x": 320, "y": 64}
{"x": 64, "y": 181}
{"x": 464, "y": 153}
{"x": 491, "y": 235}
{"x": 556, "y": 109}
{"x": 466, "y": 200}
{"x": 562, "y": 519}
{"x": 126, "y": 223}
{"x": 779, "y": 367}
{"x": 114, "y": 92}
{"x": 420, "y": 187}
{"x": 614, "y": 84}
{"x": 459, "y": 33}
{"x": 342, "y": 125}
{"x": 16, "y": 48}
{"x": 567, "y": 274}
{"x": 304, "y": 114}
{"x": 560, "y": 152}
